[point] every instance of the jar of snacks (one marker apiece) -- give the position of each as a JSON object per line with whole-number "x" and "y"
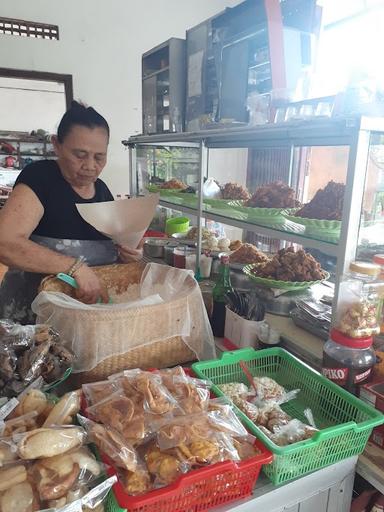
{"x": 358, "y": 301}
{"x": 348, "y": 361}
{"x": 378, "y": 259}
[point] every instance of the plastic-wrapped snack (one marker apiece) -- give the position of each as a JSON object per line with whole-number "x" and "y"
{"x": 268, "y": 389}
{"x": 246, "y": 447}
{"x": 120, "y": 413}
{"x": 136, "y": 482}
{"x": 48, "y": 442}
{"x": 94, "y": 498}
{"x": 272, "y": 417}
{"x": 234, "y": 390}
{"x": 192, "y": 395}
{"x": 16, "y": 492}
{"x": 16, "y": 337}
{"x": 223, "y": 419}
{"x": 174, "y": 431}
{"x": 32, "y": 400}
{"x": 112, "y": 443}
{"x": 95, "y": 392}
{"x": 29, "y": 365}
{"x": 21, "y": 424}
{"x": 55, "y": 476}
{"x": 293, "y": 432}
{"x": 157, "y": 399}
{"x": 7, "y": 364}
{"x": 165, "y": 467}
{"x": 249, "y": 409}
{"x": 65, "y": 409}
{"x": 8, "y": 451}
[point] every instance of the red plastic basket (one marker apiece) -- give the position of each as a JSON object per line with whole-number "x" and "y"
{"x": 200, "y": 489}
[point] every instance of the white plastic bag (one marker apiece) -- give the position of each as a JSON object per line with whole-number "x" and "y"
{"x": 211, "y": 189}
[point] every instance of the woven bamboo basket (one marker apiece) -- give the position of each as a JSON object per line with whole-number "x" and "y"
{"x": 162, "y": 353}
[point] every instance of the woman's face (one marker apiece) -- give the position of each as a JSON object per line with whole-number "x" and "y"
{"x": 82, "y": 155}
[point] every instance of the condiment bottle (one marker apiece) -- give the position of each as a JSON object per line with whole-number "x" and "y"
{"x": 378, "y": 259}
{"x": 221, "y": 288}
{"x": 358, "y": 303}
{"x": 348, "y": 361}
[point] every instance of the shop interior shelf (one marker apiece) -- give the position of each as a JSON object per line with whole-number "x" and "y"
{"x": 289, "y": 231}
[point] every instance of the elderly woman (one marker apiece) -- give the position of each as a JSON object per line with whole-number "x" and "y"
{"x": 41, "y": 231}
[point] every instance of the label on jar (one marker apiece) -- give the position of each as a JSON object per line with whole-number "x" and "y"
{"x": 362, "y": 376}
{"x": 338, "y": 375}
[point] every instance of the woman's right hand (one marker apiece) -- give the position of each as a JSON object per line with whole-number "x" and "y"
{"x": 89, "y": 290}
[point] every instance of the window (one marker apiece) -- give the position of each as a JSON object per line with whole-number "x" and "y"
{"x": 23, "y": 28}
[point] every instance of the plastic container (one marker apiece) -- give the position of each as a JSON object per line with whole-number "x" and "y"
{"x": 358, "y": 303}
{"x": 345, "y": 422}
{"x": 168, "y": 253}
{"x": 180, "y": 254}
{"x": 348, "y": 361}
{"x": 378, "y": 259}
{"x": 177, "y": 225}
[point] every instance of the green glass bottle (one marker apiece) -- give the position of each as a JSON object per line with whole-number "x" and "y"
{"x": 221, "y": 288}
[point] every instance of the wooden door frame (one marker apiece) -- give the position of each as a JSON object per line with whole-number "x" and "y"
{"x": 42, "y": 75}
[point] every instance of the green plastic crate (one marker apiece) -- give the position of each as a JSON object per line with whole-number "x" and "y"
{"x": 111, "y": 504}
{"x": 345, "y": 422}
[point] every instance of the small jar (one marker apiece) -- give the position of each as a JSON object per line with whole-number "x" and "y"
{"x": 358, "y": 302}
{"x": 348, "y": 361}
{"x": 179, "y": 255}
{"x": 378, "y": 259}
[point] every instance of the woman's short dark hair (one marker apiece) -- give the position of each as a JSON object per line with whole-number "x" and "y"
{"x": 80, "y": 115}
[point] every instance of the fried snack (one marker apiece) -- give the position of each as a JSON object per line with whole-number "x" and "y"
{"x": 248, "y": 253}
{"x": 65, "y": 409}
{"x": 19, "y": 497}
{"x": 7, "y": 452}
{"x": 136, "y": 483}
{"x": 33, "y": 400}
{"x": 48, "y": 442}
{"x": 235, "y": 244}
{"x": 21, "y": 424}
{"x": 234, "y": 191}
{"x": 288, "y": 265}
{"x": 327, "y": 203}
{"x": 12, "y": 476}
{"x": 268, "y": 389}
{"x": 173, "y": 184}
{"x": 273, "y": 195}
{"x": 97, "y": 391}
{"x": 114, "y": 444}
{"x": 204, "y": 451}
{"x": 155, "y": 396}
{"x": 193, "y": 233}
{"x": 245, "y": 449}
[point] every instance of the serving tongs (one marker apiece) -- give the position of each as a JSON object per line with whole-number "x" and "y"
{"x": 72, "y": 282}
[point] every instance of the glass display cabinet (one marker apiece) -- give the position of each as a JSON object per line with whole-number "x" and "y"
{"x": 304, "y": 154}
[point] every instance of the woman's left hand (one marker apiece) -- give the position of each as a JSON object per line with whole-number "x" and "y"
{"x": 127, "y": 255}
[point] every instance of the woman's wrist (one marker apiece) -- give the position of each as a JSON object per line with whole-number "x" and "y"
{"x": 79, "y": 262}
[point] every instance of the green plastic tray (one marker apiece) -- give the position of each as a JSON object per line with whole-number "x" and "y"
{"x": 282, "y": 285}
{"x": 317, "y": 226}
{"x": 345, "y": 422}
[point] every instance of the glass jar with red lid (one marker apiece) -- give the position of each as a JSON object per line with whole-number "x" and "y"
{"x": 348, "y": 361}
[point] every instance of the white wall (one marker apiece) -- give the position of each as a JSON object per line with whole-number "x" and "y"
{"x": 27, "y": 105}
{"x": 101, "y": 44}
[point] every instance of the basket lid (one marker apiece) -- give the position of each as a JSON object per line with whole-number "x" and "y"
{"x": 347, "y": 341}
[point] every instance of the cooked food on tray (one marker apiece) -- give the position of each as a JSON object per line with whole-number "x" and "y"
{"x": 235, "y": 192}
{"x": 273, "y": 195}
{"x": 193, "y": 232}
{"x": 290, "y": 265}
{"x": 327, "y": 204}
{"x": 235, "y": 244}
{"x": 174, "y": 184}
{"x": 248, "y": 253}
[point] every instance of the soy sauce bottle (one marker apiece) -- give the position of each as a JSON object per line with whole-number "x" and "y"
{"x": 221, "y": 288}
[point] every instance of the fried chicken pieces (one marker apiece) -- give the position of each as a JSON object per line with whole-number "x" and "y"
{"x": 248, "y": 253}
{"x": 235, "y": 192}
{"x": 173, "y": 184}
{"x": 327, "y": 204}
{"x": 273, "y": 195}
{"x": 288, "y": 265}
